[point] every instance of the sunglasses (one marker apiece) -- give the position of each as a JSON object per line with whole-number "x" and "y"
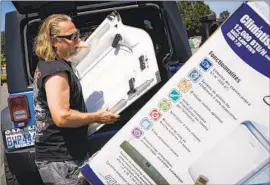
{"x": 72, "y": 36}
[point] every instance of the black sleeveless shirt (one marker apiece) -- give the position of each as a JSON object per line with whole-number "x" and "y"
{"x": 53, "y": 143}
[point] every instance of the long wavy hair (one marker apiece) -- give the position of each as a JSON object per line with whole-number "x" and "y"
{"x": 43, "y": 46}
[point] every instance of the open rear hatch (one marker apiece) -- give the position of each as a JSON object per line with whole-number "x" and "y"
{"x": 45, "y": 8}
{"x": 87, "y": 15}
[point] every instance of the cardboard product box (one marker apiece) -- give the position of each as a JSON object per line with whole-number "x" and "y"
{"x": 209, "y": 124}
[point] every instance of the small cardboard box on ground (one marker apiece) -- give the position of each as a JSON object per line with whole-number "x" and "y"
{"x": 209, "y": 124}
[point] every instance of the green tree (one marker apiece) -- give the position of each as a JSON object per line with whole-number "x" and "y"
{"x": 224, "y": 15}
{"x": 3, "y": 75}
{"x": 191, "y": 11}
{"x": 3, "y": 59}
{"x": 2, "y": 43}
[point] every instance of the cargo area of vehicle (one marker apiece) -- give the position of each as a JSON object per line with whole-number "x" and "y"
{"x": 147, "y": 17}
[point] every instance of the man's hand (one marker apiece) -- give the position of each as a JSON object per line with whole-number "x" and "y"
{"x": 106, "y": 117}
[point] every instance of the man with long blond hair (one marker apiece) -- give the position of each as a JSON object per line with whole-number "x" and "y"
{"x": 61, "y": 116}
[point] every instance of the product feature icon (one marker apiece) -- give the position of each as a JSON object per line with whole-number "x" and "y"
{"x": 184, "y": 85}
{"x": 175, "y": 95}
{"x": 137, "y": 132}
{"x": 155, "y": 114}
{"x": 165, "y": 105}
{"x": 146, "y": 124}
{"x": 110, "y": 180}
{"x": 195, "y": 75}
{"x": 206, "y": 64}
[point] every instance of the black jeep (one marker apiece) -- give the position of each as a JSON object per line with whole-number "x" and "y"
{"x": 18, "y": 124}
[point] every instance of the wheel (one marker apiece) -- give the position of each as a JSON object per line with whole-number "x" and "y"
{"x": 10, "y": 178}
{"x": 33, "y": 177}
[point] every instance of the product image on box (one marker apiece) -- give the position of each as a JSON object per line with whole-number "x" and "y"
{"x": 266, "y": 100}
{"x": 143, "y": 163}
{"x": 118, "y": 67}
{"x": 236, "y": 158}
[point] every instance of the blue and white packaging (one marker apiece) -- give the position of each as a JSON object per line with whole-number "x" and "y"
{"x": 209, "y": 124}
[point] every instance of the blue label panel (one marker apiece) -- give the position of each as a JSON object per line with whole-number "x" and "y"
{"x": 90, "y": 175}
{"x": 249, "y": 36}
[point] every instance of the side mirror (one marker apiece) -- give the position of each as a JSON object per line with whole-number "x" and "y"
{"x": 206, "y": 27}
{"x": 208, "y": 18}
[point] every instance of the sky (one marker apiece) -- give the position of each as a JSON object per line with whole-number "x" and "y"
{"x": 222, "y": 5}
{"x": 6, "y": 6}
{"x": 216, "y": 5}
